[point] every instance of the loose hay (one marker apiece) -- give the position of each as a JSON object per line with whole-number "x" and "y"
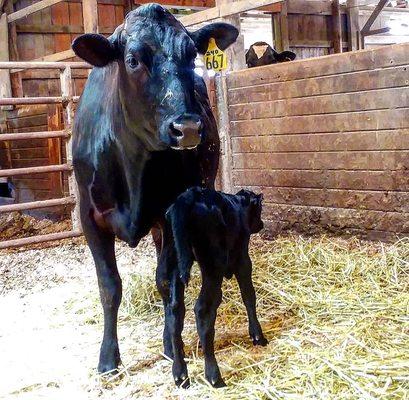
{"x": 335, "y": 312}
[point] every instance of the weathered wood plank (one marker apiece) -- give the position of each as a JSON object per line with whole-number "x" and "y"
{"x": 346, "y": 141}
{"x": 5, "y": 82}
{"x": 391, "y": 160}
{"x": 326, "y": 104}
{"x": 394, "y": 55}
{"x": 346, "y": 122}
{"x": 353, "y": 82}
{"x": 338, "y": 218}
{"x": 31, "y": 9}
{"x": 336, "y": 198}
{"x": 324, "y": 179}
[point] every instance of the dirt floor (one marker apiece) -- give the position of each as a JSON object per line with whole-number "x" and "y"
{"x": 51, "y": 326}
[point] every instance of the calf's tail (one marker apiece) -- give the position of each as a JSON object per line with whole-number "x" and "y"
{"x": 178, "y": 218}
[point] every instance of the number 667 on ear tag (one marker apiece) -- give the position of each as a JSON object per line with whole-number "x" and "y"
{"x": 214, "y": 58}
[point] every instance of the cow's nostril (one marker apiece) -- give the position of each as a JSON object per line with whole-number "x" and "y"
{"x": 176, "y": 130}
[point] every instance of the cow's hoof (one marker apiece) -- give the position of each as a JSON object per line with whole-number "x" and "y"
{"x": 183, "y": 382}
{"x": 108, "y": 363}
{"x": 260, "y": 341}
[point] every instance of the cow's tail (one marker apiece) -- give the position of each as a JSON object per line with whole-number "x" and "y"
{"x": 178, "y": 218}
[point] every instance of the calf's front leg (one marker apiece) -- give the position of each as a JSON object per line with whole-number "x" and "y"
{"x": 171, "y": 289}
{"x": 206, "y": 306}
{"x": 248, "y": 294}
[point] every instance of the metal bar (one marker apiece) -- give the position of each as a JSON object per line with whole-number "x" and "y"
{"x": 39, "y": 239}
{"x": 43, "y": 64}
{"x": 33, "y": 135}
{"x": 34, "y": 100}
{"x": 68, "y": 115}
{"x": 37, "y": 204}
{"x": 377, "y": 31}
{"x": 34, "y": 170}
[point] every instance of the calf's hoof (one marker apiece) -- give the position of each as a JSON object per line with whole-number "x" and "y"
{"x": 217, "y": 382}
{"x": 183, "y": 382}
{"x": 259, "y": 341}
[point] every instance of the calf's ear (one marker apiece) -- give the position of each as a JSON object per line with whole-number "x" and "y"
{"x": 285, "y": 56}
{"x": 224, "y": 35}
{"x": 95, "y": 49}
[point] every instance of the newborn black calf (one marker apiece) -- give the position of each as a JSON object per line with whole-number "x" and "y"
{"x": 213, "y": 228}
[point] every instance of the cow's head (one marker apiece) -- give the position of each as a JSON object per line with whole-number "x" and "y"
{"x": 156, "y": 58}
{"x": 261, "y": 53}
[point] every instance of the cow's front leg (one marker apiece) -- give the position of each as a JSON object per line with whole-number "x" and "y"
{"x": 102, "y": 246}
{"x": 248, "y": 294}
{"x": 205, "y": 310}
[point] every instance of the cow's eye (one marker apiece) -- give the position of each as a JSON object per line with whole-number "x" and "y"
{"x": 133, "y": 62}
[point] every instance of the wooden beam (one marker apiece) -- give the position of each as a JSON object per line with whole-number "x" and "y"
{"x": 337, "y": 30}
{"x": 377, "y": 31}
{"x": 224, "y": 10}
{"x": 374, "y": 15}
{"x": 354, "y": 37}
{"x": 90, "y": 16}
{"x": 5, "y": 82}
{"x": 31, "y": 9}
{"x": 47, "y": 28}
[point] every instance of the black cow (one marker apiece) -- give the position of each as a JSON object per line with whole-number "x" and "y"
{"x": 214, "y": 228}
{"x": 261, "y": 53}
{"x": 143, "y": 133}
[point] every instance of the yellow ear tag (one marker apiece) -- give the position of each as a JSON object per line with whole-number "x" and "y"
{"x": 214, "y": 58}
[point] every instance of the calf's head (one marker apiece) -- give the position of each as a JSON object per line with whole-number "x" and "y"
{"x": 253, "y": 207}
{"x": 156, "y": 60}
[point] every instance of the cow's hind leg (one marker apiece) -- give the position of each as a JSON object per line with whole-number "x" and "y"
{"x": 206, "y": 306}
{"x": 248, "y": 294}
{"x": 102, "y": 246}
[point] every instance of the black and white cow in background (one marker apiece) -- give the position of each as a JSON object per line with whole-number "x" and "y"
{"x": 143, "y": 133}
{"x": 261, "y": 53}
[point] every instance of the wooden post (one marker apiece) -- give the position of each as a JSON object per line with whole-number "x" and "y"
{"x": 337, "y": 30}
{"x": 285, "y": 41}
{"x": 226, "y": 160}
{"x": 235, "y": 53}
{"x": 68, "y": 115}
{"x": 235, "y": 60}
{"x": 354, "y": 33}
{"x": 90, "y": 16}
{"x": 54, "y": 149}
{"x": 5, "y": 83}
{"x": 278, "y": 43}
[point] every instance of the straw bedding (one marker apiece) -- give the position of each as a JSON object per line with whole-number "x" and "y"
{"x": 335, "y": 312}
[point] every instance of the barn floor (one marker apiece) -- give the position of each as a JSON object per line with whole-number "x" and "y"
{"x": 335, "y": 312}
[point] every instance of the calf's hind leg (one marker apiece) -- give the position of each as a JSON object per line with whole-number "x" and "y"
{"x": 102, "y": 246}
{"x": 206, "y": 306}
{"x": 248, "y": 294}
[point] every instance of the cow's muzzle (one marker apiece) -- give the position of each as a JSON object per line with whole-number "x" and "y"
{"x": 185, "y": 132}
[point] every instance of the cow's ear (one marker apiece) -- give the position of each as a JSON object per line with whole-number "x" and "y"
{"x": 224, "y": 35}
{"x": 95, "y": 49}
{"x": 285, "y": 56}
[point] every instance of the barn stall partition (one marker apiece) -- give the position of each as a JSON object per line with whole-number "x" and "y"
{"x": 66, "y": 100}
{"x": 326, "y": 140}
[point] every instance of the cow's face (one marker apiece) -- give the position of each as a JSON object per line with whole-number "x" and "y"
{"x": 261, "y": 53}
{"x": 156, "y": 57}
